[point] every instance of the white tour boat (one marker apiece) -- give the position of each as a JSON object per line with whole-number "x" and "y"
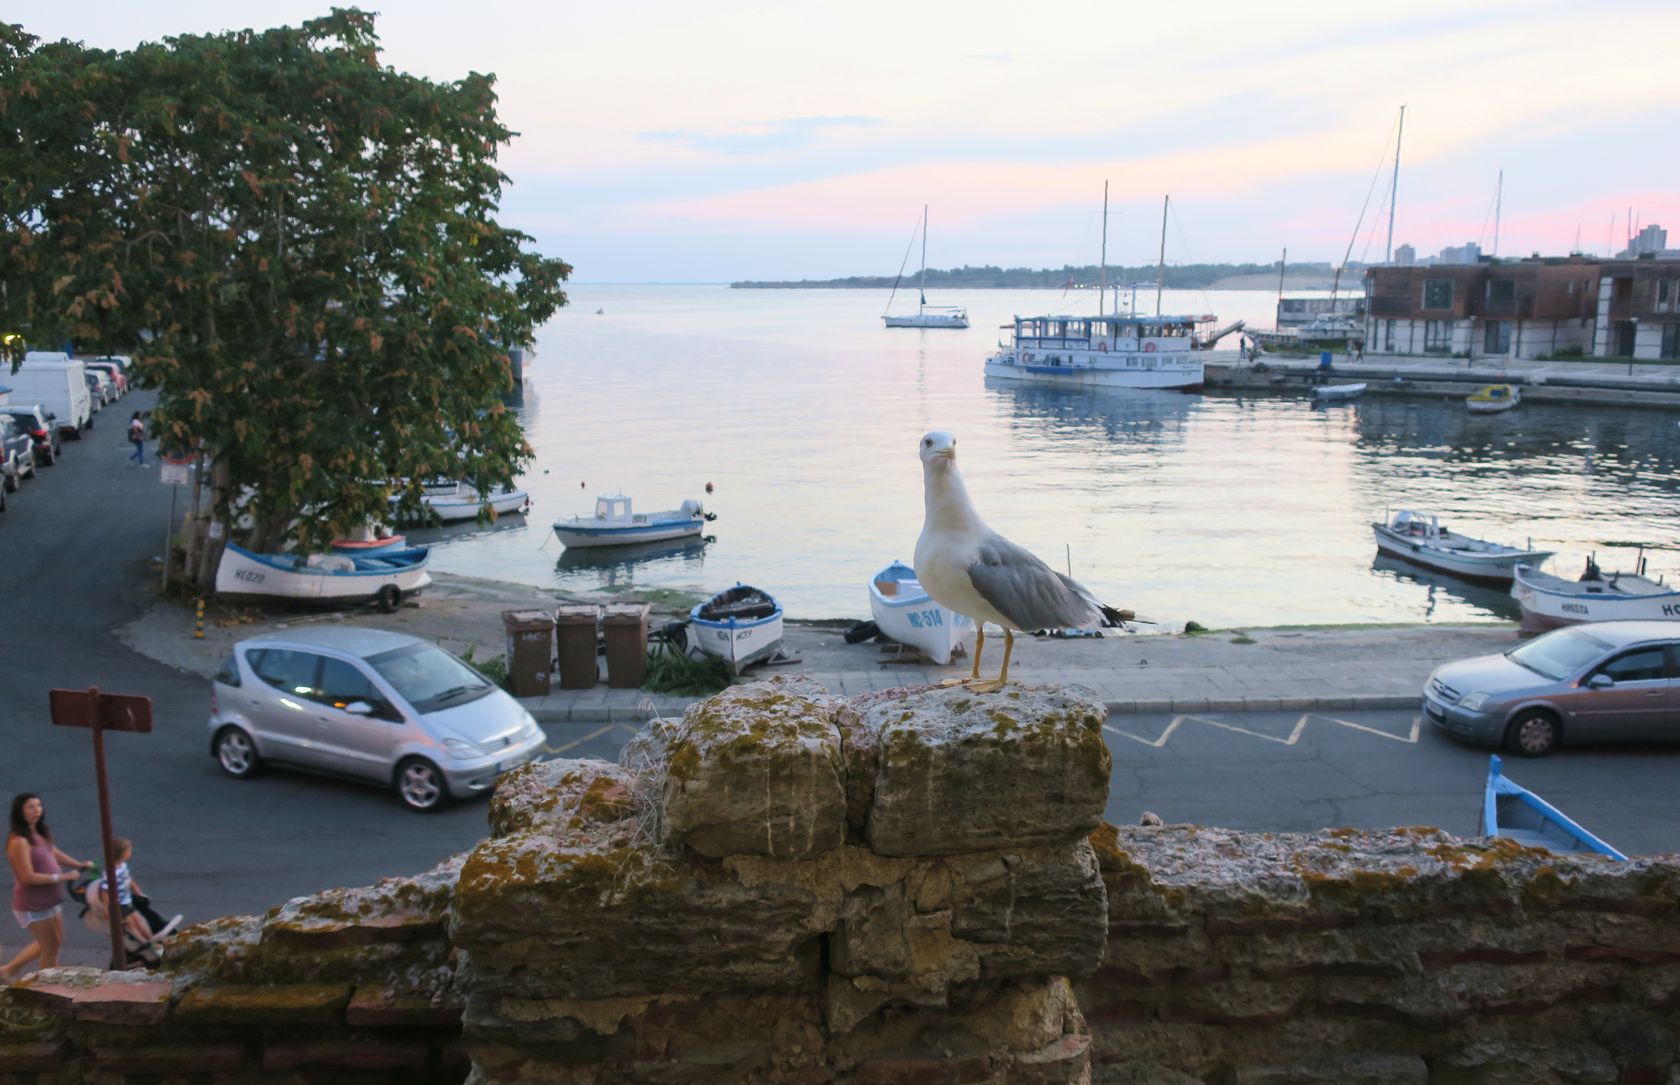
{"x": 1111, "y": 351}
{"x": 925, "y": 316}
{"x": 904, "y": 611}
{"x": 1549, "y": 601}
{"x": 385, "y": 578}
{"x": 740, "y": 626}
{"x": 1420, "y": 539}
{"x": 614, "y": 524}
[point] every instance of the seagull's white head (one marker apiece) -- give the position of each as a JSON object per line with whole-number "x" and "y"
{"x": 938, "y": 446}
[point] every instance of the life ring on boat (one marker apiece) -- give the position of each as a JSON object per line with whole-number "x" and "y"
{"x": 1149, "y": 348}
{"x": 1026, "y": 359}
{"x": 1103, "y": 346}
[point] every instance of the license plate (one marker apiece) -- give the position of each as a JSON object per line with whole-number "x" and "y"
{"x": 1434, "y": 713}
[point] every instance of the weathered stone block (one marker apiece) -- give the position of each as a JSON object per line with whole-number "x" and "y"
{"x": 288, "y": 1004}
{"x": 758, "y": 770}
{"x": 960, "y": 773}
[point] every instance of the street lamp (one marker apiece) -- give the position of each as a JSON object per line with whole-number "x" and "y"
{"x": 1633, "y": 347}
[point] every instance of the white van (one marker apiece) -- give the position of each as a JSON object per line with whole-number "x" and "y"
{"x": 58, "y": 383}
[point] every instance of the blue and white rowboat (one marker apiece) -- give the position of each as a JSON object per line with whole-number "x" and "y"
{"x": 740, "y": 626}
{"x": 614, "y": 524}
{"x": 905, "y": 612}
{"x": 386, "y": 578}
{"x": 1512, "y": 811}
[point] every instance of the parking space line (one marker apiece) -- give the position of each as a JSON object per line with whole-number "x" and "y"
{"x": 1291, "y": 739}
{"x": 576, "y": 742}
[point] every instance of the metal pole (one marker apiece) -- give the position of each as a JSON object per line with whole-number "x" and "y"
{"x": 1498, "y": 205}
{"x": 168, "y": 533}
{"x": 1161, "y": 268}
{"x": 1102, "y": 278}
{"x": 1394, "y": 188}
{"x": 113, "y": 909}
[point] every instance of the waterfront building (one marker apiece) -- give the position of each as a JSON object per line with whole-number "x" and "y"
{"x": 1638, "y": 309}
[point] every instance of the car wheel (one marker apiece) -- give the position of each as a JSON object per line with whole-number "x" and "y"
{"x": 1532, "y": 734}
{"x": 76, "y": 433}
{"x": 2, "y": 499}
{"x": 388, "y": 599}
{"x": 420, "y": 785}
{"x": 237, "y": 754}
{"x": 50, "y": 457}
{"x": 11, "y": 484}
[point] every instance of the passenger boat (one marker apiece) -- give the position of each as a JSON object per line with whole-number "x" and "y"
{"x": 1330, "y": 393}
{"x": 1325, "y": 331}
{"x": 1419, "y": 538}
{"x": 1549, "y": 601}
{"x": 1493, "y": 398}
{"x": 385, "y": 578}
{"x": 454, "y": 502}
{"x": 1112, "y": 351}
{"x": 905, "y": 612}
{"x": 1512, "y": 812}
{"x": 614, "y": 524}
{"x": 740, "y": 626}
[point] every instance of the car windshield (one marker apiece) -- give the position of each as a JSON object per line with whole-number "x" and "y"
{"x": 1560, "y": 653}
{"x": 429, "y": 678}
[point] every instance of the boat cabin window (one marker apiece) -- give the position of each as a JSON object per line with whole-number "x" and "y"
{"x": 609, "y": 508}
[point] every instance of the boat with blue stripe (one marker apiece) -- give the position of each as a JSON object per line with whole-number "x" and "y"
{"x": 739, "y": 626}
{"x": 386, "y": 577}
{"x": 904, "y": 611}
{"x": 615, "y": 524}
{"x": 1513, "y": 812}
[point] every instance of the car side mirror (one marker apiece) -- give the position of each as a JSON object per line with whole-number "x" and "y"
{"x": 359, "y": 708}
{"x": 1600, "y": 681}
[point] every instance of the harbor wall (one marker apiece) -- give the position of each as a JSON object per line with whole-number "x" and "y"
{"x": 1448, "y": 380}
{"x": 910, "y": 886}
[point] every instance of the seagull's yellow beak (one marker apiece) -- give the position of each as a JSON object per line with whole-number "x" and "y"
{"x": 946, "y": 453}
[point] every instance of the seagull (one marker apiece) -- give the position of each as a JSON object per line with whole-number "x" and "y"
{"x": 971, "y": 569}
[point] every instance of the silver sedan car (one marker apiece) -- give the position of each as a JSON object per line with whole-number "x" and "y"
{"x": 366, "y": 703}
{"x": 1603, "y": 682}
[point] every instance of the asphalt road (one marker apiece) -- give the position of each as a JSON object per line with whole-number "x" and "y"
{"x": 75, "y": 553}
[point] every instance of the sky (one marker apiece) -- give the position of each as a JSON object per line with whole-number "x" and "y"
{"x": 685, "y": 142}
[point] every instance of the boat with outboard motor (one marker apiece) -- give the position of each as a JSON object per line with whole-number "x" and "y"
{"x": 1421, "y": 539}
{"x": 615, "y": 524}
{"x": 1549, "y": 601}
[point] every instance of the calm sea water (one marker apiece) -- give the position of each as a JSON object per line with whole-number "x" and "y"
{"x": 804, "y": 412}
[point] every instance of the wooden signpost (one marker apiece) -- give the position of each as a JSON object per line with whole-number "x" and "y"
{"x": 101, "y": 712}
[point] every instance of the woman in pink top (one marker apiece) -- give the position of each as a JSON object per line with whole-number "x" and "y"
{"x": 38, "y": 897}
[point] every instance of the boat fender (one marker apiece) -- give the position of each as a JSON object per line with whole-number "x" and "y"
{"x": 1149, "y": 348}
{"x": 1103, "y": 347}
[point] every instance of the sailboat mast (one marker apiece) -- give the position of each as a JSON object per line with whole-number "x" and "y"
{"x": 1102, "y": 276}
{"x": 1161, "y": 265}
{"x": 1394, "y": 188}
{"x": 1282, "y": 264}
{"x": 1498, "y": 204}
{"x": 921, "y": 276}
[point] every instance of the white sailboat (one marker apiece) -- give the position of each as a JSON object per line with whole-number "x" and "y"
{"x": 926, "y": 316}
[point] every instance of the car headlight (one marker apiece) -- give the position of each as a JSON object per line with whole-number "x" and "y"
{"x": 460, "y": 748}
{"x": 1473, "y": 701}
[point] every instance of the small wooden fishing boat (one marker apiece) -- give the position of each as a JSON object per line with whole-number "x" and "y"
{"x": 614, "y": 524}
{"x": 1330, "y": 393}
{"x": 1419, "y": 538}
{"x": 385, "y": 578}
{"x": 369, "y": 541}
{"x": 1549, "y": 601}
{"x": 1493, "y": 398}
{"x": 905, "y": 612}
{"x": 740, "y": 626}
{"x": 455, "y": 502}
{"x": 1513, "y": 812}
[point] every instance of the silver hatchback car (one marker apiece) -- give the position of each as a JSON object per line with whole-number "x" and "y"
{"x": 370, "y": 704}
{"x": 1603, "y": 682}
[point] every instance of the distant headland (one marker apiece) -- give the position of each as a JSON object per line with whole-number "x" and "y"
{"x": 1306, "y": 276}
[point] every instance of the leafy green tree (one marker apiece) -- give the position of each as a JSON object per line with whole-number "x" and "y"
{"x": 296, "y": 243}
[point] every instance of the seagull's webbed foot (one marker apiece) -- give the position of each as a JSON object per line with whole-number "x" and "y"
{"x": 947, "y": 683}
{"x": 986, "y": 685}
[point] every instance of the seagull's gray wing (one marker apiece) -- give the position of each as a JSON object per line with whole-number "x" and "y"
{"x": 1028, "y": 592}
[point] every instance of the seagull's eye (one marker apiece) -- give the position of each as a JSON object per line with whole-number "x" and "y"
{"x": 928, "y": 443}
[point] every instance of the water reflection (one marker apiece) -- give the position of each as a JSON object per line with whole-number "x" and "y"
{"x": 1116, "y": 414}
{"x": 446, "y": 535}
{"x": 669, "y": 554}
{"x": 1491, "y": 602}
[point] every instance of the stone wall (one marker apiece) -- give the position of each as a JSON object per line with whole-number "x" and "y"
{"x": 912, "y": 886}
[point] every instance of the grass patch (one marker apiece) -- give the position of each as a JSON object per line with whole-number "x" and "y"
{"x": 1243, "y": 638}
{"x": 672, "y": 671}
{"x": 665, "y": 598}
{"x": 495, "y": 668}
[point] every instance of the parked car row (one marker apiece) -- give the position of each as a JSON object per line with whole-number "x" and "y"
{"x": 53, "y": 397}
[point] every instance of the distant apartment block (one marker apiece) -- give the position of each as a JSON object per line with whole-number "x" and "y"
{"x": 1467, "y": 253}
{"x": 1652, "y": 239}
{"x": 1405, "y": 256}
{"x": 1530, "y": 308}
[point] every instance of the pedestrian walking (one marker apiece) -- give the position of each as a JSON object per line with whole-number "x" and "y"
{"x": 137, "y": 438}
{"x": 38, "y": 896}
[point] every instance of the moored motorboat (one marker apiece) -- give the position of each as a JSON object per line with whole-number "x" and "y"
{"x": 615, "y": 524}
{"x": 1549, "y": 601}
{"x": 1493, "y": 398}
{"x": 1419, "y": 538}
{"x": 454, "y": 502}
{"x": 740, "y": 626}
{"x": 1513, "y": 812}
{"x": 1329, "y": 393}
{"x": 905, "y": 612}
{"x": 385, "y": 578}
